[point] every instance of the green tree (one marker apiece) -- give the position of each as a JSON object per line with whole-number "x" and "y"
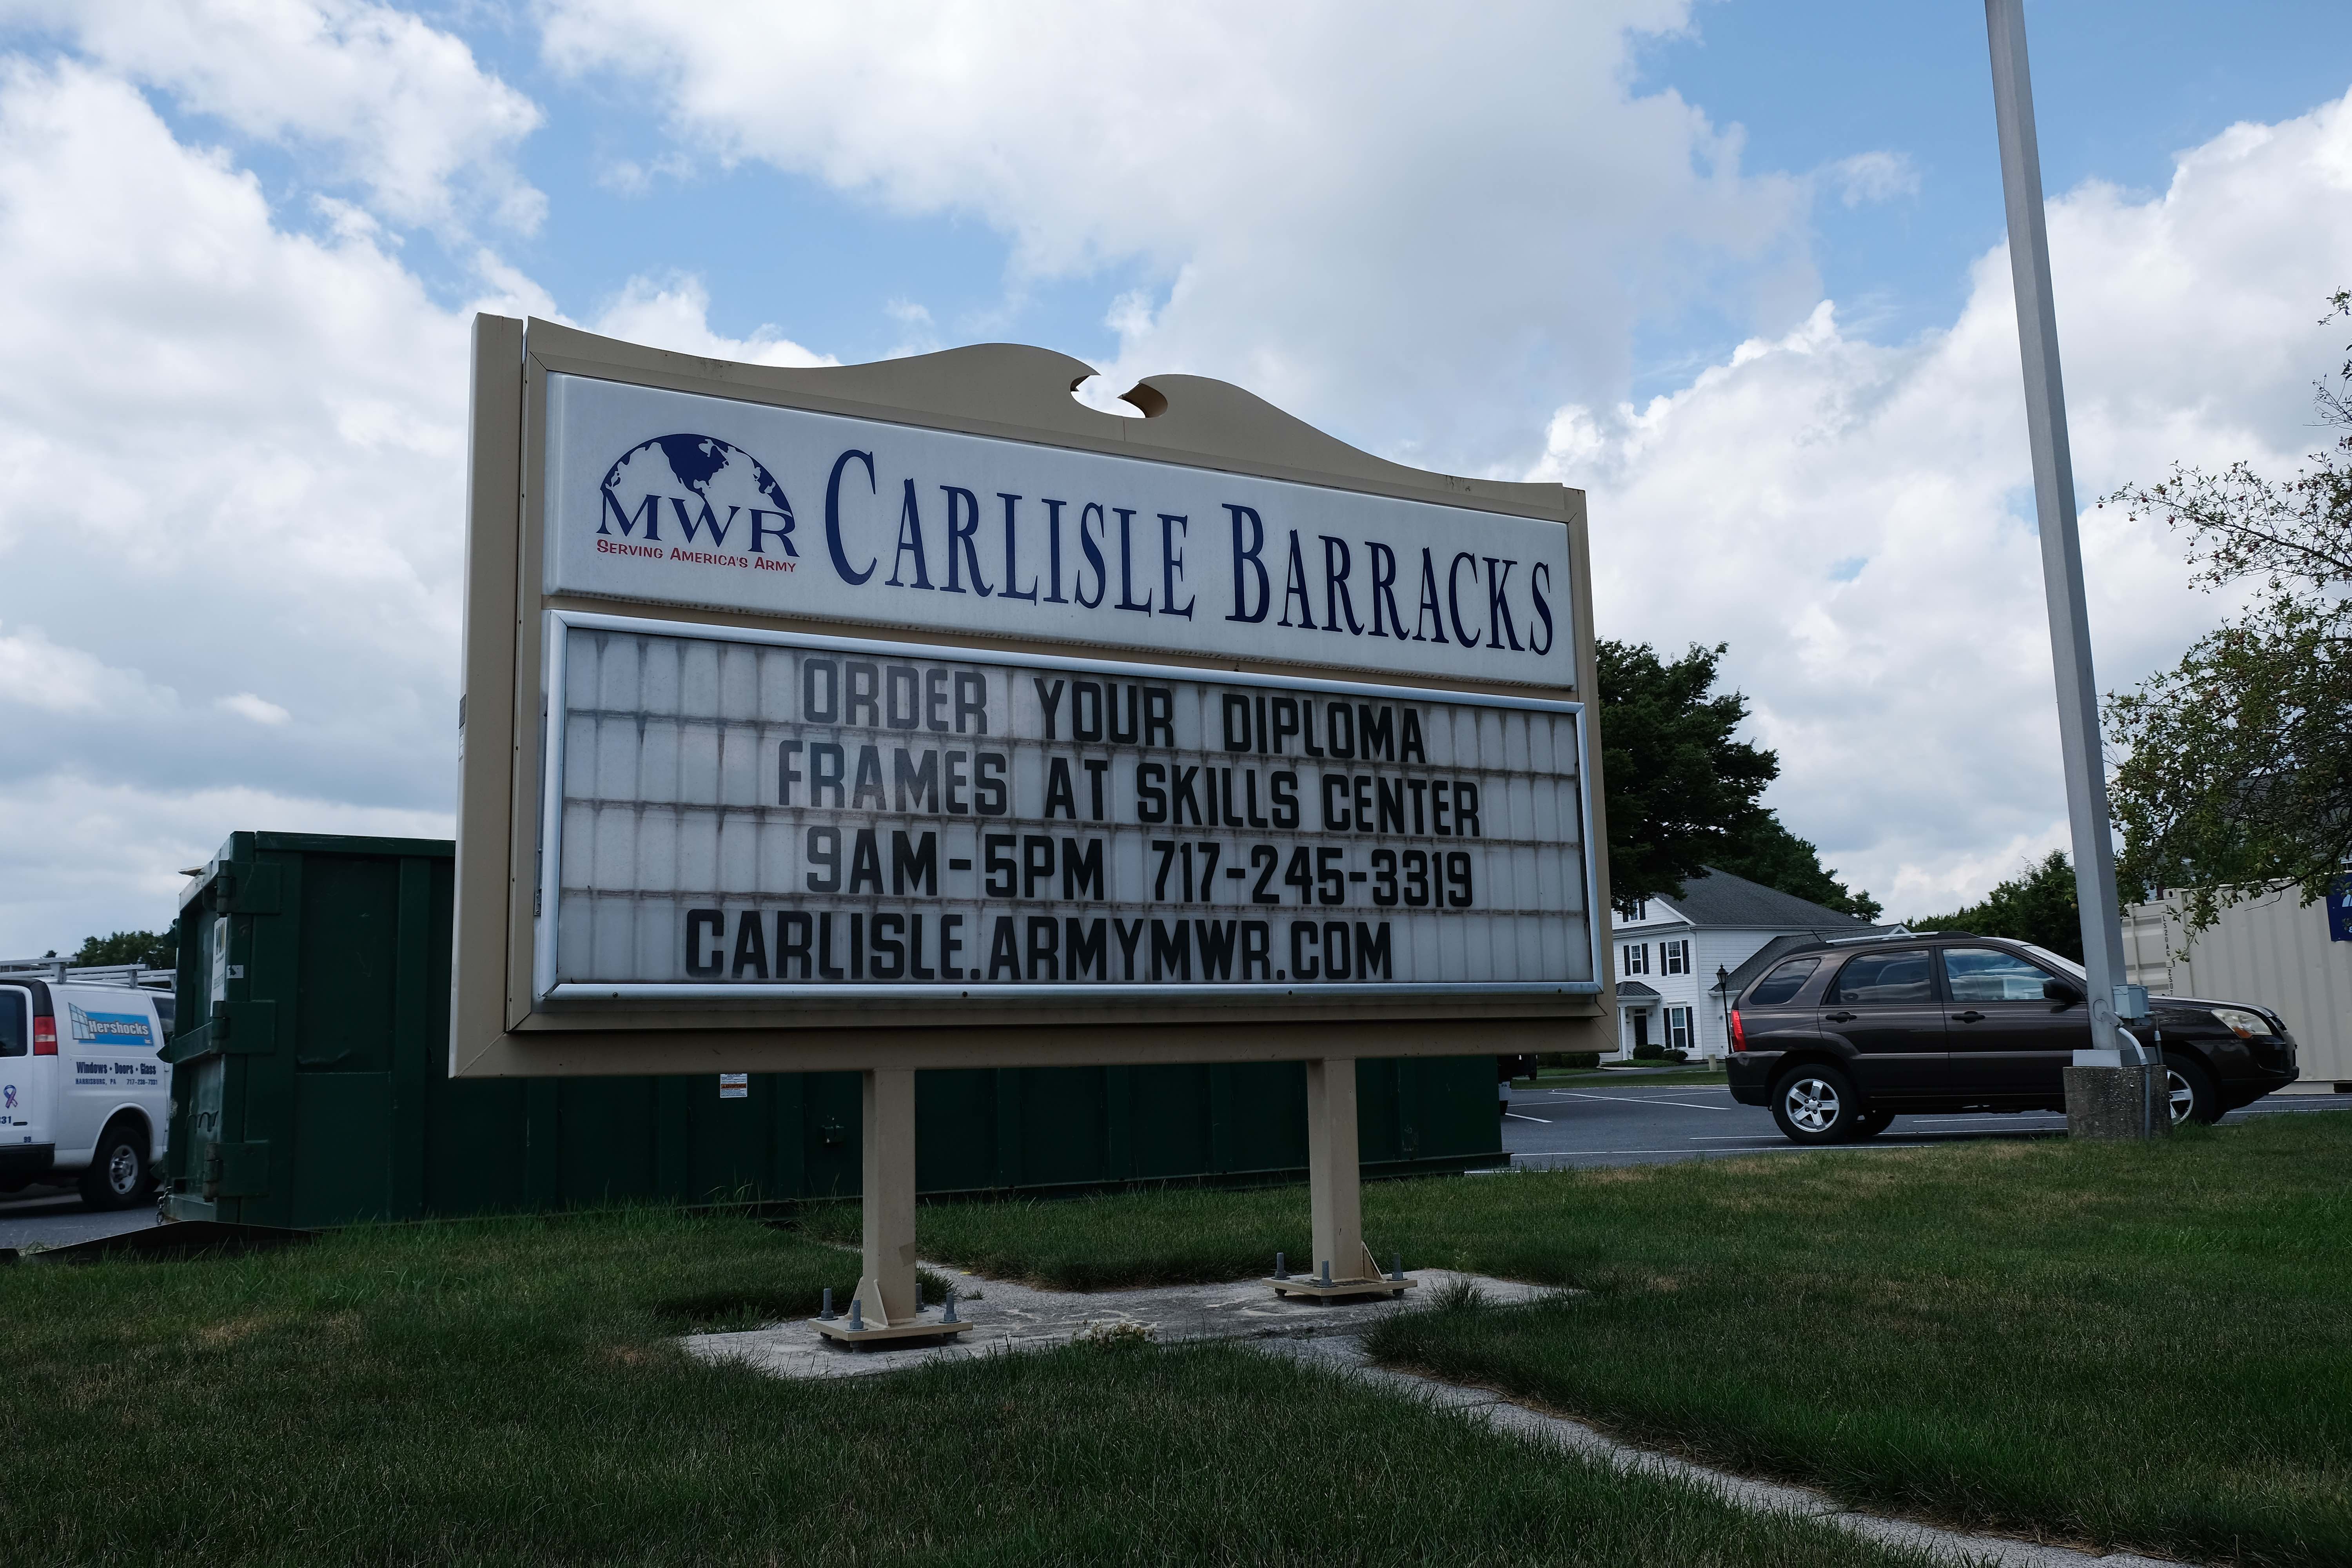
{"x": 2236, "y": 766}
{"x": 144, "y": 947}
{"x": 1682, "y": 791}
{"x": 2036, "y": 906}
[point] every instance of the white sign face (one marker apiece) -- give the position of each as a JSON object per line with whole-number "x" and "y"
{"x": 668, "y": 497}
{"x": 740, "y": 812}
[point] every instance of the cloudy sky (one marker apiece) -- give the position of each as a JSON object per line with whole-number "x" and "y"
{"x": 1736, "y": 267}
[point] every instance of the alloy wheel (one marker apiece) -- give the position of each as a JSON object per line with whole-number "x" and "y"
{"x": 1811, "y": 1103}
{"x": 2183, "y": 1098}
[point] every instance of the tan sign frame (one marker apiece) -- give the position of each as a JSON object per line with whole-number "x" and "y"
{"x": 998, "y": 391}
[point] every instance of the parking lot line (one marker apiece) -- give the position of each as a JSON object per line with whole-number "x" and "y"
{"x": 1622, "y": 1098}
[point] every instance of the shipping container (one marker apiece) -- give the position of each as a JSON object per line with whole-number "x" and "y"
{"x": 310, "y": 1084}
{"x": 2269, "y": 948}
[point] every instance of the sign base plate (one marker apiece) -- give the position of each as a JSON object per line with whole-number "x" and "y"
{"x": 839, "y": 1330}
{"x": 1313, "y": 1289}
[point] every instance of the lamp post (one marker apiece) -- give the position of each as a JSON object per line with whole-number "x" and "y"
{"x": 2110, "y": 999}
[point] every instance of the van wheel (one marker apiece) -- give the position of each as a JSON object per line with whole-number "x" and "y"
{"x": 1871, "y": 1123}
{"x": 1816, "y": 1105}
{"x": 2190, "y": 1089}
{"x": 117, "y": 1176}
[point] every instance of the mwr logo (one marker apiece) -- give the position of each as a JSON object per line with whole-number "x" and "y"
{"x": 714, "y": 499}
{"x": 108, "y": 1028}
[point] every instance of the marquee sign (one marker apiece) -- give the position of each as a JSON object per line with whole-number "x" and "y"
{"x": 916, "y": 715}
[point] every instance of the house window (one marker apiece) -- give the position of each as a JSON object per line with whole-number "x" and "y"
{"x": 1641, "y": 910}
{"x": 1678, "y": 1028}
{"x": 1636, "y": 958}
{"x": 1673, "y": 957}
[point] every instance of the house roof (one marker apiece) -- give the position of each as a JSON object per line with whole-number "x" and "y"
{"x": 1720, "y": 898}
{"x": 1636, "y": 990}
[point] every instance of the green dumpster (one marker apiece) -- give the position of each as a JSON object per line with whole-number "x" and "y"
{"x": 310, "y": 1084}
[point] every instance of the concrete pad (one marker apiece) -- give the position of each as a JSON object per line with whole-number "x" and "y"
{"x": 1008, "y": 1317}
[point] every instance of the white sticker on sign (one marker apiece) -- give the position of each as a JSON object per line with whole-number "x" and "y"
{"x": 734, "y": 1086}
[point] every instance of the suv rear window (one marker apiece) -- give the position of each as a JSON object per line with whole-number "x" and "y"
{"x": 13, "y": 1028}
{"x": 1783, "y": 983}
{"x": 1884, "y": 979}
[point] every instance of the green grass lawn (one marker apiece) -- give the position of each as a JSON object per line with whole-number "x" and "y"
{"x": 510, "y": 1391}
{"x": 2127, "y": 1345}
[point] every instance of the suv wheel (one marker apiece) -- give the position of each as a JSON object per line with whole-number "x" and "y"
{"x": 1871, "y": 1123}
{"x": 117, "y": 1176}
{"x": 2192, "y": 1091}
{"x": 1817, "y": 1105}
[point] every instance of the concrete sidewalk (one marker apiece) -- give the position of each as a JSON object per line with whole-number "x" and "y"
{"x": 1008, "y": 1317}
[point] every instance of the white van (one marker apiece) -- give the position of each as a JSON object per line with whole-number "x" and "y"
{"x": 84, "y": 1092}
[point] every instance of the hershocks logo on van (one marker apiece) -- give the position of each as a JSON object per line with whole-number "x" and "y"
{"x": 109, "y": 1028}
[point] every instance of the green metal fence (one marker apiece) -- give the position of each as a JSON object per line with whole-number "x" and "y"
{"x": 315, "y": 1090}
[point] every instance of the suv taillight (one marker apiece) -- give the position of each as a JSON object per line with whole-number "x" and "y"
{"x": 44, "y": 1036}
{"x": 1738, "y": 1034}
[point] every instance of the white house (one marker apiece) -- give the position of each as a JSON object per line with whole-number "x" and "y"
{"x": 1680, "y": 961}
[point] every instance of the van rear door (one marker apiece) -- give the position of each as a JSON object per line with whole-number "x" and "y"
{"x": 23, "y": 1091}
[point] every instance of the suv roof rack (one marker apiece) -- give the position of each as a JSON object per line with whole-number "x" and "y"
{"x": 1891, "y": 936}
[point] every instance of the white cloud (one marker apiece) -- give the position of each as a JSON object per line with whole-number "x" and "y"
{"x": 403, "y": 108}
{"x": 230, "y": 456}
{"x": 1875, "y": 176}
{"x": 1354, "y": 211}
{"x": 37, "y": 673}
{"x": 108, "y": 855}
{"x": 629, "y": 177}
{"x": 260, "y": 709}
{"x": 234, "y": 454}
{"x": 1854, "y": 519}
{"x": 676, "y": 316}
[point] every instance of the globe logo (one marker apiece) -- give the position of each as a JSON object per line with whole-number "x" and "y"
{"x": 697, "y": 499}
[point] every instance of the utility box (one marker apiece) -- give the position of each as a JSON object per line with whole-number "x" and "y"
{"x": 310, "y": 1084}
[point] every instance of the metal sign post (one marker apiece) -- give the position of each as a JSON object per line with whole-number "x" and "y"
{"x": 2111, "y": 1001}
{"x": 878, "y": 717}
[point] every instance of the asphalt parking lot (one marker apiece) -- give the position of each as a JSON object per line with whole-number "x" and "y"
{"x": 1637, "y": 1123}
{"x": 55, "y": 1217}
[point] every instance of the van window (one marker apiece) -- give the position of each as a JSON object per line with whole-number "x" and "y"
{"x": 165, "y": 1007}
{"x": 15, "y": 1025}
{"x": 1783, "y": 983}
{"x": 1884, "y": 979}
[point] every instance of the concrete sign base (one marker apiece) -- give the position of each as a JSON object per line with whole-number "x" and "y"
{"x": 2118, "y": 1102}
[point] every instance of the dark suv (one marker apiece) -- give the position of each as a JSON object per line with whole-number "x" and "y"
{"x": 1840, "y": 1038}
